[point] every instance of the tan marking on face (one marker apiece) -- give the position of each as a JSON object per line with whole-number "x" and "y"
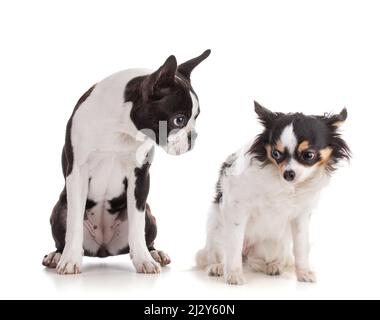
{"x": 325, "y": 155}
{"x": 337, "y": 124}
{"x": 269, "y": 154}
{"x": 280, "y": 146}
{"x": 304, "y": 145}
{"x": 281, "y": 166}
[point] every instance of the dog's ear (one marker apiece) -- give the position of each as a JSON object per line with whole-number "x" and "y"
{"x": 336, "y": 120}
{"x": 164, "y": 76}
{"x": 266, "y": 116}
{"x": 187, "y": 67}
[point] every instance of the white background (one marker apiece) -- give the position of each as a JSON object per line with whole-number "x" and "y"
{"x": 309, "y": 56}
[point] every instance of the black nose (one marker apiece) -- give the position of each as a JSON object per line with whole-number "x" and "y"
{"x": 289, "y": 175}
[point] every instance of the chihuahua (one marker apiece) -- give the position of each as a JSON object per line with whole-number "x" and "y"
{"x": 265, "y": 194}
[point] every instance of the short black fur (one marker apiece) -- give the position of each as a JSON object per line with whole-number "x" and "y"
{"x": 142, "y": 182}
{"x": 119, "y": 203}
{"x": 222, "y": 172}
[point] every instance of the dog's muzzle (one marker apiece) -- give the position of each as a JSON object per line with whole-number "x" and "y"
{"x": 191, "y": 137}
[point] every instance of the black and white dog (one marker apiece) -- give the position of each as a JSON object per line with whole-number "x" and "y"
{"x": 265, "y": 195}
{"x": 108, "y": 149}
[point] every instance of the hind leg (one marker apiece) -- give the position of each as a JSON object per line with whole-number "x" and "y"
{"x": 215, "y": 257}
{"x": 161, "y": 257}
{"x": 150, "y": 235}
{"x": 58, "y": 227}
{"x": 211, "y": 256}
{"x": 51, "y": 260}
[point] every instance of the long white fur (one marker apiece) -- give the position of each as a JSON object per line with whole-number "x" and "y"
{"x": 260, "y": 216}
{"x": 108, "y": 147}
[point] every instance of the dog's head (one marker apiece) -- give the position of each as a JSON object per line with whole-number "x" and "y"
{"x": 299, "y": 146}
{"x": 165, "y": 105}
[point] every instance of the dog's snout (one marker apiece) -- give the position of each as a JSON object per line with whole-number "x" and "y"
{"x": 289, "y": 175}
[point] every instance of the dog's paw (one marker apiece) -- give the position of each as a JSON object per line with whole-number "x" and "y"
{"x": 216, "y": 270}
{"x": 70, "y": 263}
{"x": 161, "y": 257}
{"x": 274, "y": 269}
{"x": 306, "y": 276}
{"x": 51, "y": 260}
{"x": 235, "y": 278}
{"x": 256, "y": 264}
{"x": 147, "y": 265}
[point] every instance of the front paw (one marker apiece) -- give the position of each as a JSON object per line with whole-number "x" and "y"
{"x": 305, "y": 275}
{"x": 216, "y": 270}
{"x": 235, "y": 278}
{"x": 70, "y": 262}
{"x": 146, "y": 265}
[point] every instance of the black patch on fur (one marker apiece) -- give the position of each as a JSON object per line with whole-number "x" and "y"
{"x": 119, "y": 203}
{"x": 67, "y": 158}
{"x": 90, "y": 204}
{"x": 142, "y": 182}
{"x": 187, "y": 67}
{"x": 125, "y": 250}
{"x": 222, "y": 173}
{"x": 340, "y": 149}
{"x": 58, "y": 221}
{"x": 150, "y": 232}
{"x": 103, "y": 252}
{"x": 150, "y": 228}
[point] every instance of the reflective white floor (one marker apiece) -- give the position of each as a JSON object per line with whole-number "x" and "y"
{"x": 114, "y": 278}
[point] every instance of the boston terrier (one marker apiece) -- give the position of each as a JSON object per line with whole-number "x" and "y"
{"x": 109, "y": 146}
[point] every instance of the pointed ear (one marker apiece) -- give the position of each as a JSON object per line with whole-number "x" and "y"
{"x": 166, "y": 72}
{"x": 266, "y": 116}
{"x": 164, "y": 76}
{"x": 187, "y": 67}
{"x": 336, "y": 120}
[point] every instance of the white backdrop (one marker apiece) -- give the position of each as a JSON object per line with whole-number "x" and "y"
{"x": 309, "y": 56}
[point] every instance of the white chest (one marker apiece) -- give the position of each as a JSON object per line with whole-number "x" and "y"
{"x": 110, "y": 166}
{"x": 270, "y": 203}
{"x": 107, "y": 172}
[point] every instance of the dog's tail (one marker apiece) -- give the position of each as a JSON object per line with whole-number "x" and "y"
{"x": 201, "y": 258}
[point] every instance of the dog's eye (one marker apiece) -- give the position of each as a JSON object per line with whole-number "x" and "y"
{"x": 179, "y": 121}
{"x": 308, "y": 155}
{"x": 276, "y": 154}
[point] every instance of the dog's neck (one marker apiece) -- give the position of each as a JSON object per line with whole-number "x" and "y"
{"x": 129, "y": 138}
{"x": 128, "y": 127}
